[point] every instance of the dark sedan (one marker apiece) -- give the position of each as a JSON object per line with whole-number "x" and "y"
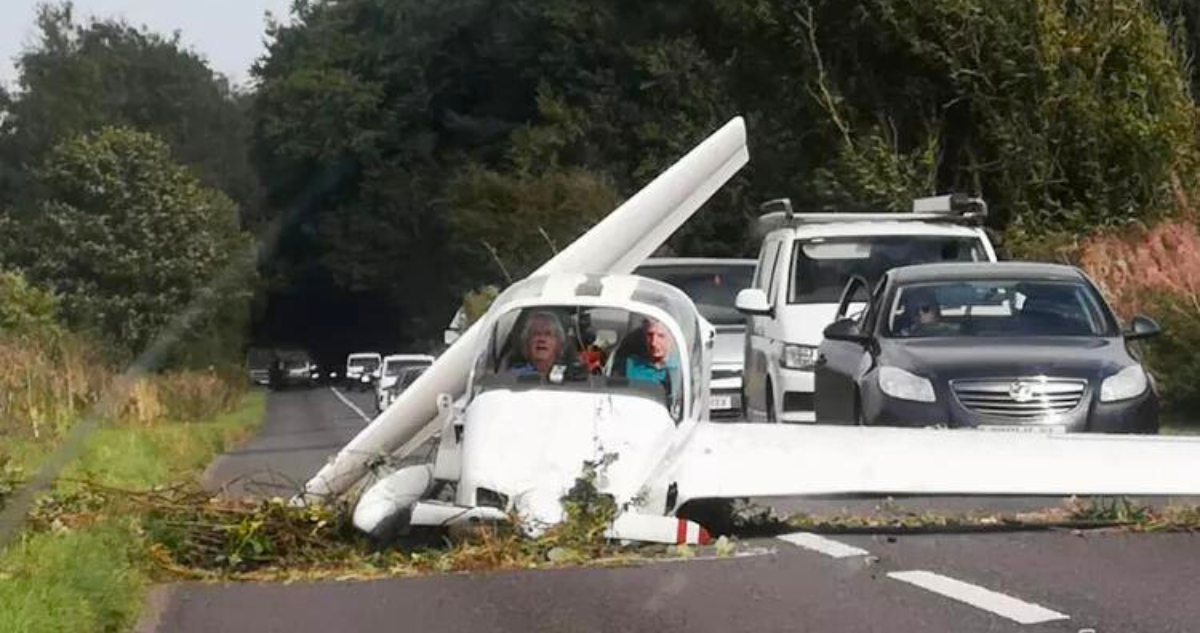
{"x": 1005, "y": 347}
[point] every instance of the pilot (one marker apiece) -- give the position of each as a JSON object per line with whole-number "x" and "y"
{"x": 542, "y": 341}
{"x": 658, "y": 363}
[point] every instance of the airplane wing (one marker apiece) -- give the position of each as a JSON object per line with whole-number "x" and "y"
{"x": 756, "y": 460}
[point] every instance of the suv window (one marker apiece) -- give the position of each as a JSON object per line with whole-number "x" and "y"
{"x": 822, "y": 268}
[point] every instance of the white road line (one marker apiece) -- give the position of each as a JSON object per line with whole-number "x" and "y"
{"x": 353, "y": 407}
{"x": 828, "y": 547}
{"x": 976, "y": 596}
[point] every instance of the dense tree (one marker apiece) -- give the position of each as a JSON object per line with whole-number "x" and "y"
{"x": 80, "y": 77}
{"x": 130, "y": 240}
{"x": 397, "y": 136}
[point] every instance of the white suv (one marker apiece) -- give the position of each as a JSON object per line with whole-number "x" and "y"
{"x": 806, "y": 261}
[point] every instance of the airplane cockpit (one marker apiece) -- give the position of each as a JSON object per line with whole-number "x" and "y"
{"x": 613, "y": 334}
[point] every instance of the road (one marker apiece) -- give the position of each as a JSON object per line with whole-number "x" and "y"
{"x": 1032, "y": 581}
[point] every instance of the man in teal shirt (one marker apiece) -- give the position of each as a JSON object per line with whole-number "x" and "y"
{"x": 659, "y": 364}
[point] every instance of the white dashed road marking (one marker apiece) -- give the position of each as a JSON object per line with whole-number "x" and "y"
{"x": 353, "y": 407}
{"x": 976, "y": 596}
{"x": 828, "y": 547}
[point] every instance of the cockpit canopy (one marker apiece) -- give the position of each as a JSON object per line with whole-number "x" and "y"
{"x": 617, "y": 334}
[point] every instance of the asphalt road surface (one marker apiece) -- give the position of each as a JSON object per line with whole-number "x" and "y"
{"x": 1034, "y": 581}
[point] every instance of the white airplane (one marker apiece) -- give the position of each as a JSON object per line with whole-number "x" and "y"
{"x": 519, "y": 434}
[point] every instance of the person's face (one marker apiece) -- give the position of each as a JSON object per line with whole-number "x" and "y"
{"x": 658, "y": 342}
{"x": 544, "y": 344}
{"x": 926, "y": 313}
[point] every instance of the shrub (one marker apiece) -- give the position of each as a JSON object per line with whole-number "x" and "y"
{"x": 1156, "y": 272}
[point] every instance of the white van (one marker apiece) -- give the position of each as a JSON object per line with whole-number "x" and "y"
{"x": 393, "y": 367}
{"x": 806, "y": 261}
{"x": 362, "y": 368}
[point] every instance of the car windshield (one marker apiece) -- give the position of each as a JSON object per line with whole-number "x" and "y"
{"x": 397, "y": 367}
{"x": 369, "y": 364}
{"x": 586, "y": 348}
{"x": 996, "y": 309}
{"x": 821, "y": 268}
{"x": 712, "y": 287}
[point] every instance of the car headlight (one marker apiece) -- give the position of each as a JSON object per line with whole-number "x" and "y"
{"x": 1130, "y": 382}
{"x": 903, "y": 385}
{"x": 366, "y": 377}
{"x": 802, "y": 357}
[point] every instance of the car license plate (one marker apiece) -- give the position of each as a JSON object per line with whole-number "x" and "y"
{"x": 1019, "y": 428}
{"x": 720, "y": 402}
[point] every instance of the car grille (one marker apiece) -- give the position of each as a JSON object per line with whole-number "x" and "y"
{"x": 721, "y": 374}
{"x": 1020, "y": 398}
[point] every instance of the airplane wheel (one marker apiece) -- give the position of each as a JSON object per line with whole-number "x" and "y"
{"x": 714, "y": 515}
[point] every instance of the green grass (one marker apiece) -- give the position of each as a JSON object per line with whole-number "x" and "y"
{"x": 85, "y": 580}
{"x": 93, "y": 578}
{"x": 144, "y": 458}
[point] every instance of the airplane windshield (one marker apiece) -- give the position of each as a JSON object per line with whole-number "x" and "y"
{"x": 601, "y": 348}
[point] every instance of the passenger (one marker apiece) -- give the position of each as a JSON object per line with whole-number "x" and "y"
{"x": 659, "y": 362}
{"x": 542, "y": 342}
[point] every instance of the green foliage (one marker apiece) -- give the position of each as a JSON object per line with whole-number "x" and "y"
{"x": 129, "y": 240}
{"x": 86, "y": 580}
{"x": 476, "y": 302}
{"x": 518, "y": 221}
{"x": 1171, "y": 356}
{"x": 78, "y": 77}
{"x": 1065, "y": 115}
{"x": 25, "y": 309}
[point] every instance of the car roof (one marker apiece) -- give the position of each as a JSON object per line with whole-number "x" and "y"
{"x": 867, "y": 229}
{"x": 663, "y": 262}
{"x": 391, "y": 357}
{"x": 957, "y": 271}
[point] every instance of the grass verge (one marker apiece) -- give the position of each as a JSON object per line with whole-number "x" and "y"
{"x": 89, "y": 573}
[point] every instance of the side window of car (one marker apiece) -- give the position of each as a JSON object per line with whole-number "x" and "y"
{"x": 766, "y": 260}
{"x": 776, "y": 273}
{"x": 871, "y": 314}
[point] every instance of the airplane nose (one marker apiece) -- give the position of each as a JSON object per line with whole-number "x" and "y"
{"x": 537, "y": 510}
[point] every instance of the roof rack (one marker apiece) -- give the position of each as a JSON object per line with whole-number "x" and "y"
{"x": 955, "y": 208}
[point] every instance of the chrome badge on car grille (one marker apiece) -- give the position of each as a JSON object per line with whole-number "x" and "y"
{"x": 1020, "y": 398}
{"x": 1020, "y": 391}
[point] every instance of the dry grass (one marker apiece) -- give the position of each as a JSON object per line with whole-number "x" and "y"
{"x": 1135, "y": 268}
{"x": 45, "y": 382}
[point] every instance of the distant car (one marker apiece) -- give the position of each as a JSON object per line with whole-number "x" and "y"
{"x": 258, "y": 365}
{"x": 407, "y": 376}
{"x": 1008, "y": 347}
{"x": 295, "y": 368}
{"x": 394, "y": 366}
{"x": 713, "y": 285}
{"x": 362, "y": 369}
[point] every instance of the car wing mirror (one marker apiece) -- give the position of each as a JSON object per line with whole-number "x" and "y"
{"x": 753, "y": 302}
{"x": 846, "y": 330}
{"x": 1142, "y": 328}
